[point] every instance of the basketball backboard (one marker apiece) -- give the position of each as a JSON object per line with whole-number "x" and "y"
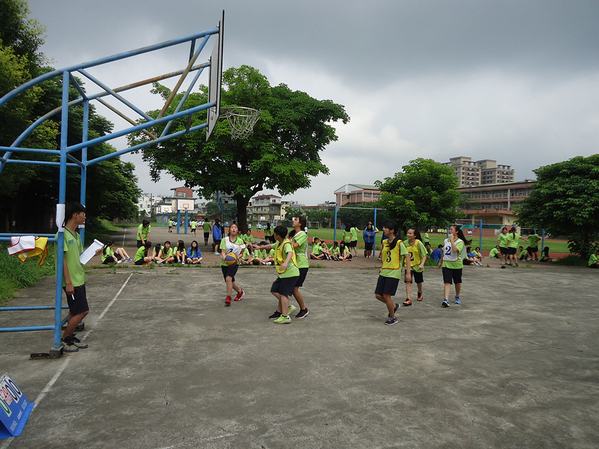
{"x": 216, "y": 77}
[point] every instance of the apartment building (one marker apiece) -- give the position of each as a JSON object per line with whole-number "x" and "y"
{"x": 483, "y": 172}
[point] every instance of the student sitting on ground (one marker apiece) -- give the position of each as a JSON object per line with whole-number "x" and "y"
{"x": 324, "y": 249}
{"x": 545, "y": 255}
{"x": 594, "y": 260}
{"x": 194, "y": 255}
{"x": 479, "y": 254}
{"x": 437, "y": 253}
{"x": 494, "y": 253}
{"x": 344, "y": 253}
{"x": 144, "y": 254}
{"x": 260, "y": 255}
{"x": 335, "y": 251}
{"x": 168, "y": 252}
{"x": 111, "y": 255}
{"x": 157, "y": 254}
{"x": 429, "y": 249}
{"x": 246, "y": 257}
{"x": 316, "y": 253}
{"x": 180, "y": 252}
{"x": 523, "y": 253}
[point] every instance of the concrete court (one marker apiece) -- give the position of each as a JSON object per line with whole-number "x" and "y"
{"x": 170, "y": 367}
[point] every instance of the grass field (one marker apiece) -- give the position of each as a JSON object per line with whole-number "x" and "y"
{"x": 555, "y": 246}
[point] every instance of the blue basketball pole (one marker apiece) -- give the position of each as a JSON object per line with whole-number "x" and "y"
{"x": 335, "y": 226}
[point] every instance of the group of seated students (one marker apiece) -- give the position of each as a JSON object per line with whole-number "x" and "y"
{"x": 338, "y": 251}
{"x": 159, "y": 254}
{"x": 523, "y": 254}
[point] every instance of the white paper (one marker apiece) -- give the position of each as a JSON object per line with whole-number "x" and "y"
{"x": 60, "y": 217}
{"x": 90, "y": 252}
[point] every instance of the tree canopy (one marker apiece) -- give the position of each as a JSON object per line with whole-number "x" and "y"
{"x": 423, "y": 194}
{"x": 111, "y": 187}
{"x": 282, "y": 154}
{"x": 565, "y": 201}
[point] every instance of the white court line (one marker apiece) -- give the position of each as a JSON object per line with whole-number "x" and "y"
{"x": 64, "y": 365}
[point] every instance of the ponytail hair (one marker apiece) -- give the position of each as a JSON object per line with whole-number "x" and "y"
{"x": 416, "y": 233}
{"x": 461, "y": 236}
{"x": 395, "y": 227}
{"x": 302, "y": 221}
{"x": 108, "y": 244}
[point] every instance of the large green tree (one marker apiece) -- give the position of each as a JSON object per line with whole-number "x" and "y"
{"x": 565, "y": 201}
{"x": 423, "y": 194}
{"x": 282, "y": 154}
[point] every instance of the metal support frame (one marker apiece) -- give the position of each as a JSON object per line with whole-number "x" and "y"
{"x": 375, "y": 209}
{"x": 66, "y": 159}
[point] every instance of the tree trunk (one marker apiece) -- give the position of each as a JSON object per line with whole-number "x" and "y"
{"x": 242, "y": 213}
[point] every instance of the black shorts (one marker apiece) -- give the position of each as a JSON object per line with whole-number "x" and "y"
{"x": 78, "y": 302}
{"x": 302, "y": 277}
{"x": 503, "y": 250}
{"x": 416, "y": 276}
{"x": 532, "y": 249}
{"x": 368, "y": 246}
{"x": 216, "y": 244}
{"x": 452, "y": 274}
{"x": 511, "y": 250}
{"x": 230, "y": 270}
{"x": 140, "y": 244}
{"x": 386, "y": 286}
{"x": 284, "y": 286}
{"x": 206, "y": 235}
{"x": 352, "y": 244}
{"x": 140, "y": 261}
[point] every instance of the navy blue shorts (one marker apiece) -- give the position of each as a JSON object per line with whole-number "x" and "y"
{"x": 386, "y": 286}
{"x": 78, "y": 301}
{"x": 302, "y": 277}
{"x": 284, "y": 286}
{"x": 452, "y": 274}
{"x": 229, "y": 270}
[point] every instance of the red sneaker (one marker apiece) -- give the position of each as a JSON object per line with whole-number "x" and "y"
{"x": 228, "y": 301}
{"x": 239, "y": 295}
{"x": 420, "y": 297}
{"x": 407, "y": 302}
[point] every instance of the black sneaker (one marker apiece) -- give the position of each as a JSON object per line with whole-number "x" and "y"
{"x": 275, "y": 315}
{"x": 395, "y": 309}
{"x": 503, "y": 266}
{"x": 78, "y": 343}
{"x": 68, "y": 345}
{"x": 302, "y": 314}
{"x": 391, "y": 321}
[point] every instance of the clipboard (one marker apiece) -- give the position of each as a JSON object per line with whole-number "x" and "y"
{"x": 90, "y": 252}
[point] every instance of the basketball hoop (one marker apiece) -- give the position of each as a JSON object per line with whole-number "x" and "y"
{"x": 185, "y": 206}
{"x": 241, "y": 121}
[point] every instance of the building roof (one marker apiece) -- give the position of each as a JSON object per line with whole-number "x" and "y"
{"x": 501, "y": 185}
{"x": 266, "y": 196}
{"x": 347, "y": 188}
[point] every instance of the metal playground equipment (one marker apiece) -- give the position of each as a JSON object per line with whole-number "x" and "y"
{"x": 66, "y": 153}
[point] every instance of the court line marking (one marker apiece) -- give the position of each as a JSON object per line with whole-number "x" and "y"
{"x": 64, "y": 365}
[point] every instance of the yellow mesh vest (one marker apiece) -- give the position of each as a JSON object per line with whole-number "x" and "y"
{"x": 280, "y": 257}
{"x": 414, "y": 253}
{"x": 391, "y": 257}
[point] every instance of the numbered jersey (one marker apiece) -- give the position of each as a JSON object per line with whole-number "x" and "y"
{"x": 236, "y": 247}
{"x": 392, "y": 257}
{"x": 414, "y": 251}
{"x": 449, "y": 255}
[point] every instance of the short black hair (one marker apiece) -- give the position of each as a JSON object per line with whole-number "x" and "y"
{"x": 281, "y": 231}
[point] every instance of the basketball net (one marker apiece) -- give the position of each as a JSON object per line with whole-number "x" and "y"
{"x": 241, "y": 121}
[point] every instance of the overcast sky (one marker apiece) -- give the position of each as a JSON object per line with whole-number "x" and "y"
{"x": 512, "y": 80}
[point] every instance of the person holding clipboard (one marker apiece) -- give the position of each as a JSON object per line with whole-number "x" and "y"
{"x": 74, "y": 276}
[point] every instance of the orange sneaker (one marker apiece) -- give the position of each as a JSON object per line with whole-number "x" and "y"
{"x": 407, "y": 302}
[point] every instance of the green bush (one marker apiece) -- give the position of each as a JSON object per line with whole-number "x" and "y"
{"x": 17, "y": 274}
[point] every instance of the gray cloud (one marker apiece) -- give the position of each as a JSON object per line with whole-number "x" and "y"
{"x": 516, "y": 81}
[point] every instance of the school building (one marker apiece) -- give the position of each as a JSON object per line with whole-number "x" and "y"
{"x": 494, "y": 204}
{"x": 356, "y": 194}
